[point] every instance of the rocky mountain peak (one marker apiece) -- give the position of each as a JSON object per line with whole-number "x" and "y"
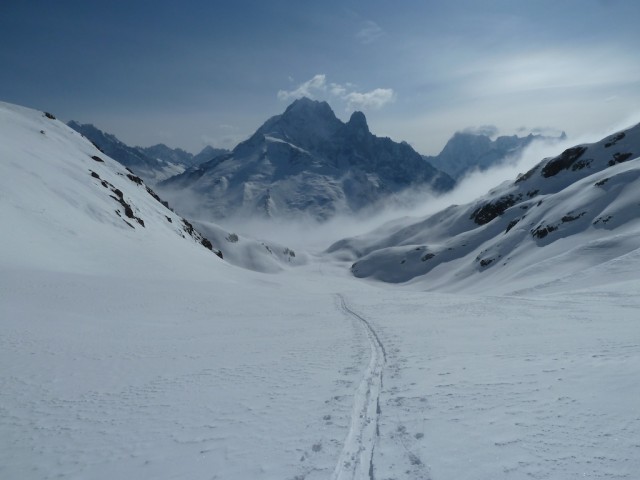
{"x": 305, "y": 108}
{"x": 358, "y": 123}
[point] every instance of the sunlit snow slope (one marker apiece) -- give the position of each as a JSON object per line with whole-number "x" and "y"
{"x": 567, "y": 214}
{"x": 131, "y": 351}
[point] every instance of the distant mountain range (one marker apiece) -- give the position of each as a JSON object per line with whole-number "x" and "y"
{"x": 304, "y": 162}
{"x": 569, "y": 212}
{"x": 153, "y": 164}
{"x": 465, "y": 152}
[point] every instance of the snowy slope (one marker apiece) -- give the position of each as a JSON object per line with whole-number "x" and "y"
{"x": 303, "y": 163}
{"x": 149, "y": 165}
{"x": 568, "y": 213}
{"x": 466, "y": 152}
{"x": 137, "y": 353}
{"x": 61, "y": 190}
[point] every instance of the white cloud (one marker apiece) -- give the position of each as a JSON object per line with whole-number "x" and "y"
{"x": 551, "y": 69}
{"x": 306, "y": 89}
{"x": 317, "y": 87}
{"x": 488, "y": 130}
{"x": 338, "y": 90}
{"x": 374, "y": 99}
{"x": 370, "y": 32}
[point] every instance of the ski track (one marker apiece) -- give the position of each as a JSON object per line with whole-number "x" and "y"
{"x": 356, "y": 458}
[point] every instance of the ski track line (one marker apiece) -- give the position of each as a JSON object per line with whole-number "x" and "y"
{"x": 356, "y": 459}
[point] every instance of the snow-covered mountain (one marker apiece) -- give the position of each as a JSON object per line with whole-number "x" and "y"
{"x": 132, "y": 351}
{"x": 150, "y": 168}
{"x": 304, "y": 162}
{"x": 61, "y": 190}
{"x": 153, "y": 164}
{"x": 181, "y": 157}
{"x": 581, "y": 204}
{"x": 467, "y": 151}
{"x": 206, "y": 154}
{"x": 61, "y": 187}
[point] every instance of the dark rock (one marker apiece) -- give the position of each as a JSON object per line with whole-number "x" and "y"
{"x": 543, "y": 231}
{"x": 512, "y": 224}
{"x": 614, "y": 139}
{"x": 49, "y": 115}
{"x": 526, "y": 176}
{"x": 619, "y": 158}
{"x": 571, "y": 218}
{"x": 487, "y": 212}
{"x": 134, "y": 179}
{"x": 97, "y": 159}
{"x": 485, "y": 262}
{"x": 563, "y": 162}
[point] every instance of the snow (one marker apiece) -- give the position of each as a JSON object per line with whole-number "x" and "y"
{"x": 550, "y": 224}
{"x": 137, "y": 353}
{"x": 305, "y": 164}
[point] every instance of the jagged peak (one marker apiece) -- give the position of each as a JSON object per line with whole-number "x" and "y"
{"x": 358, "y": 122}
{"x": 307, "y": 107}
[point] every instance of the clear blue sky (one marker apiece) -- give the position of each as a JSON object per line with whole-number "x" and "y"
{"x": 198, "y": 72}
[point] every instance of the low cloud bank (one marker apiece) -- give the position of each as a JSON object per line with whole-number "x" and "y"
{"x": 311, "y": 236}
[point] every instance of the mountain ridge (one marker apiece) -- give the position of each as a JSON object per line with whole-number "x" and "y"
{"x": 465, "y": 152}
{"x": 155, "y": 163}
{"x": 582, "y": 200}
{"x": 302, "y": 162}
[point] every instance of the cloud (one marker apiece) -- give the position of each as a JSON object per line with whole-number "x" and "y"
{"x": 337, "y": 89}
{"x": 547, "y": 131}
{"x": 317, "y": 87}
{"x": 488, "y": 130}
{"x": 306, "y": 89}
{"x": 550, "y": 69}
{"x": 374, "y": 99}
{"x": 369, "y": 32}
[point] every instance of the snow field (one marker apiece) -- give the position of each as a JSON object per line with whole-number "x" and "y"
{"x": 508, "y": 387}
{"x": 135, "y": 352}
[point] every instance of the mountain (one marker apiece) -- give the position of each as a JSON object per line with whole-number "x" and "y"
{"x": 154, "y": 163}
{"x": 62, "y": 192}
{"x": 206, "y": 154}
{"x": 568, "y": 213}
{"x": 181, "y": 157}
{"x": 304, "y": 162}
{"x": 151, "y": 168}
{"x": 133, "y": 351}
{"x": 162, "y": 153}
{"x": 465, "y": 151}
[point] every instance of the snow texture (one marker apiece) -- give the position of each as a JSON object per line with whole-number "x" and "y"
{"x": 135, "y": 352}
{"x": 575, "y": 210}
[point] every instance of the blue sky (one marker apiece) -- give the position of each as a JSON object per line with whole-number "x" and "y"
{"x": 211, "y": 72}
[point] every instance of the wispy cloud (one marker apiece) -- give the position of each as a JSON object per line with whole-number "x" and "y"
{"x": 548, "y": 70}
{"x": 307, "y": 89}
{"x": 369, "y": 32}
{"x": 374, "y": 99}
{"x": 317, "y": 87}
{"x": 488, "y": 130}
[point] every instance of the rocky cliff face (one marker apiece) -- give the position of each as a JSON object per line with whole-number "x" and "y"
{"x": 304, "y": 162}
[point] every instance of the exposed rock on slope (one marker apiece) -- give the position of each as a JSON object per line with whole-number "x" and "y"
{"x": 60, "y": 192}
{"x": 154, "y": 163}
{"x": 567, "y": 213}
